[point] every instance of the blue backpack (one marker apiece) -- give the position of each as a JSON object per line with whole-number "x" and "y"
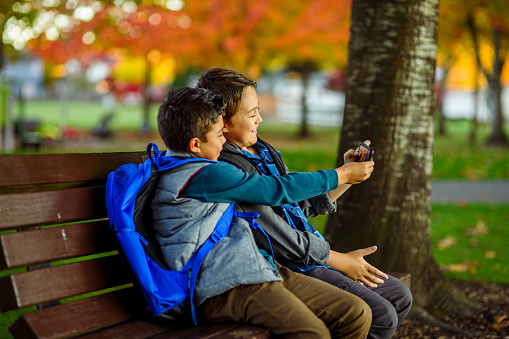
{"x": 129, "y": 190}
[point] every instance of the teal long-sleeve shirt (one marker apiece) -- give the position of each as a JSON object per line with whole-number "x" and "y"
{"x": 223, "y": 182}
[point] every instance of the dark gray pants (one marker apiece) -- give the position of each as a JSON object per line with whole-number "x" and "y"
{"x": 390, "y": 302}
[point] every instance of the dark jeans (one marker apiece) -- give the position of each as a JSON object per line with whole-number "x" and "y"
{"x": 390, "y": 302}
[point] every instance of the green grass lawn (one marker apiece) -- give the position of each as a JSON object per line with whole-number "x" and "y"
{"x": 83, "y": 115}
{"x": 470, "y": 241}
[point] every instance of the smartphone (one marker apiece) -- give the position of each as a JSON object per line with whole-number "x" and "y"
{"x": 365, "y": 153}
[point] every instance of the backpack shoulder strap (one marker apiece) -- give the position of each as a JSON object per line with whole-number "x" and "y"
{"x": 220, "y": 231}
{"x": 248, "y": 166}
{"x": 278, "y": 161}
{"x": 239, "y": 161}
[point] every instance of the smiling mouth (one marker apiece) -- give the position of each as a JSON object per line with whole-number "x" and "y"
{"x": 254, "y": 131}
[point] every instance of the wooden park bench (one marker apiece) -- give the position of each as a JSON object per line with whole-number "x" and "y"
{"x": 59, "y": 268}
{"x": 58, "y": 261}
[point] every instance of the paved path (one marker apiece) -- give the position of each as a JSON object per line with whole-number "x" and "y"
{"x": 488, "y": 191}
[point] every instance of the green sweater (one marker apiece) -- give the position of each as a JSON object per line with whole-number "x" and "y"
{"x": 222, "y": 182}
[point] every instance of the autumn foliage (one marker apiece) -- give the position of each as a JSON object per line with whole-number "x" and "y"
{"x": 250, "y": 35}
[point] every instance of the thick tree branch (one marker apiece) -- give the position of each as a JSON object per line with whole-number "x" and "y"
{"x": 473, "y": 31}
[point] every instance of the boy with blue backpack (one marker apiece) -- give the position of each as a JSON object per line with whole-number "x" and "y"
{"x": 236, "y": 282}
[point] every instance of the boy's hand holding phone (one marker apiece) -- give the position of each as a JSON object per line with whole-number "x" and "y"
{"x": 365, "y": 153}
{"x": 357, "y": 167}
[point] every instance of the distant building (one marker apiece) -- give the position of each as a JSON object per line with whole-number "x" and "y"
{"x": 26, "y": 74}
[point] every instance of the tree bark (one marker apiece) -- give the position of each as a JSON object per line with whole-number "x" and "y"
{"x": 389, "y": 97}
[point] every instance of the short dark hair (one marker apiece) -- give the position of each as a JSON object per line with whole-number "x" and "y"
{"x": 187, "y": 113}
{"x": 229, "y": 84}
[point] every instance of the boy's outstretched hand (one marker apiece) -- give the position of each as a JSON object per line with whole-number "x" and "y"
{"x": 353, "y": 265}
{"x": 354, "y": 172}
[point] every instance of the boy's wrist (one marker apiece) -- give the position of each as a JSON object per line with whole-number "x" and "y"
{"x": 342, "y": 175}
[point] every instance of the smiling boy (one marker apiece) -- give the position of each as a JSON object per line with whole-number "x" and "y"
{"x": 296, "y": 244}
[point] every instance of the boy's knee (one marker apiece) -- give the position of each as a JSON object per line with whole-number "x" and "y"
{"x": 407, "y": 298}
{"x": 357, "y": 321}
{"x": 318, "y": 330}
{"x": 365, "y": 313}
{"x": 384, "y": 323}
{"x": 403, "y": 301}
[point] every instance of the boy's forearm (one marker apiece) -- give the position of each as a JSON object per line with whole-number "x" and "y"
{"x": 335, "y": 194}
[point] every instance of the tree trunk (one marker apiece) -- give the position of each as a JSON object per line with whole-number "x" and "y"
{"x": 475, "y": 119}
{"x": 390, "y": 100}
{"x": 147, "y": 100}
{"x": 304, "y": 130}
{"x": 497, "y": 136}
{"x": 440, "y": 97}
{"x": 495, "y": 87}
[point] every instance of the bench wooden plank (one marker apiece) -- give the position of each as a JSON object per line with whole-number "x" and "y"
{"x": 145, "y": 329}
{"x": 52, "y": 207}
{"x": 79, "y": 317}
{"x": 246, "y": 331}
{"x": 33, "y": 169}
{"x": 200, "y": 331}
{"x": 230, "y": 330}
{"x": 132, "y": 330}
{"x": 54, "y": 283}
{"x": 55, "y": 243}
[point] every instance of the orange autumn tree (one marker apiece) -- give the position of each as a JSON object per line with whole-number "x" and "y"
{"x": 316, "y": 39}
{"x": 249, "y": 36}
{"x": 253, "y": 36}
{"x": 87, "y": 30}
{"x": 145, "y": 31}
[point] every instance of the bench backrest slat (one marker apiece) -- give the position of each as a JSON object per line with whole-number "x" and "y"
{"x": 55, "y": 243}
{"x": 63, "y": 281}
{"x": 18, "y": 170}
{"x": 78, "y": 317}
{"x": 51, "y": 207}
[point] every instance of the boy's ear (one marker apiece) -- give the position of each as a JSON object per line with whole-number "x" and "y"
{"x": 225, "y": 128}
{"x": 194, "y": 145}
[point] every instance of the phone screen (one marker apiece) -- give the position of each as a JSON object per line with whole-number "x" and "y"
{"x": 365, "y": 153}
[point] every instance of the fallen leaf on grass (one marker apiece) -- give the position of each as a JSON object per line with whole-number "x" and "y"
{"x": 479, "y": 230}
{"x": 447, "y": 242}
{"x": 491, "y": 254}
{"x": 462, "y": 203}
{"x": 501, "y": 322}
{"x": 466, "y": 266}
